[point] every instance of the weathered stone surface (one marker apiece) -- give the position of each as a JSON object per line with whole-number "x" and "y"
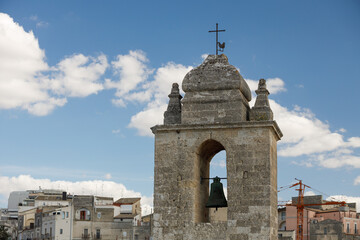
{"x": 215, "y": 117}
{"x": 261, "y": 110}
{"x": 334, "y": 230}
{"x": 215, "y": 92}
{"x": 173, "y": 113}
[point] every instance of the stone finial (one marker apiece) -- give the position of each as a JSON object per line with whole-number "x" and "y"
{"x": 261, "y": 110}
{"x": 173, "y": 113}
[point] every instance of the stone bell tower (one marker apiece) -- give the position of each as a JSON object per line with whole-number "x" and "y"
{"x": 214, "y": 115}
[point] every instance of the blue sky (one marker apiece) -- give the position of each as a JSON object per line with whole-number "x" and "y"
{"x": 81, "y": 82}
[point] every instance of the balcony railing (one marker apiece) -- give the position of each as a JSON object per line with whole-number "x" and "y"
{"x": 45, "y": 236}
{"x": 85, "y": 236}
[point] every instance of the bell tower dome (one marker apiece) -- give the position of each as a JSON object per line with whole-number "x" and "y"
{"x": 215, "y": 93}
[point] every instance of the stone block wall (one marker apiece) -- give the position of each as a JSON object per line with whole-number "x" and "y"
{"x": 181, "y": 159}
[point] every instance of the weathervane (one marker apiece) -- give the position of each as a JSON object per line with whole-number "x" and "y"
{"x": 218, "y": 44}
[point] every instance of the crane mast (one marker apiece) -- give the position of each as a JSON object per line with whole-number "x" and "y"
{"x": 300, "y": 209}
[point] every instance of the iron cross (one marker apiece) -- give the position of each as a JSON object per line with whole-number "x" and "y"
{"x": 217, "y": 30}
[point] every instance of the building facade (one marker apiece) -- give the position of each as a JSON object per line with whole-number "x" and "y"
{"x": 80, "y": 217}
{"x": 322, "y": 221}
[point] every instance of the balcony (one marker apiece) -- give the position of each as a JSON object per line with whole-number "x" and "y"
{"x": 85, "y": 236}
{"x": 45, "y": 236}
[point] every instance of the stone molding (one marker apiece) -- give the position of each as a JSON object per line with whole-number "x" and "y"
{"x": 247, "y": 124}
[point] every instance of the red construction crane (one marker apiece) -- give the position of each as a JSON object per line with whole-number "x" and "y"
{"x": 300, "y": 208}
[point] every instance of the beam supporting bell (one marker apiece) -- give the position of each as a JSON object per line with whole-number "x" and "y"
{"x": 217, "y": 197}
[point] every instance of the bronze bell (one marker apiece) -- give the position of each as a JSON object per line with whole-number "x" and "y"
{"x": 217, "y": 197}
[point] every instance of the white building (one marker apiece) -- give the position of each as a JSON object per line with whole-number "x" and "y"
{"x": 56, "y": 224}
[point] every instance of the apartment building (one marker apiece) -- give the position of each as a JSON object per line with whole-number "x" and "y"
{"x": 63, "y": 217}
{"x": 320, "y": 221}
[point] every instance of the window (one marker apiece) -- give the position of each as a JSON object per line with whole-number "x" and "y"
{"x": 86, "y": 232}
{"x": 355, "y": 228}
{"x": 83, "y": 214}
{"x": 283, "y": 215}
{"x": 61, "y": 231}
{"x": 347, "y": 227}
{"x": 98, "y": 235}
{"x": 67, "y": 214}
{"x": 63, "y": 215}
{"x": 325, "y": 231}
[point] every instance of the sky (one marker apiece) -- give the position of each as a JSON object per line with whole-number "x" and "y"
{"x": 82, "y": 82}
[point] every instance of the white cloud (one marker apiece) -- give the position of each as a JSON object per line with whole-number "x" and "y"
{"x": 347, "y": 199}
{"x": 274, "y": 85}
{"x": 26, "y": 80}
{"x": 45, "y": 107}
{"x": 21, "y": 61}
{"x": 219, "y": 163}
{"x": 334, "y": 160}
{"x": 342, "y": 130}
{"x": 108, "y": 176}
{"x": 34, "y": 18}
{"x": 117, "y": 132}
{"x": 95, "y": 187}
{"x": 134, "y": 85}
{"x": 78, "y": 75}
{"x": 132, "y": 72}
{"x": 147, "y": 118}
{"x": 204, "y": 56}
{"x": 304, "y": 134}
{"x": 39, "y": 24}
{"x": 309, "y": 193}
{"x": 159, "y": 89}
{"x": 42, "y": 24}
{"x": 353, "y": 142}
{"x": 357, "y": 181}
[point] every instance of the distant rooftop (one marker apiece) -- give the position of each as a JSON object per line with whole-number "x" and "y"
{"x": 127, "y": 200}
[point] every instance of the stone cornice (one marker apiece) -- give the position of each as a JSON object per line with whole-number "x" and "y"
{"x": 247, "y": 124}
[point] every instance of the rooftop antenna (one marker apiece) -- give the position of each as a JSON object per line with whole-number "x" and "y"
{"x": 218, "y": 44}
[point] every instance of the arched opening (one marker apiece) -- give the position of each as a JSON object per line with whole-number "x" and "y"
{"x": 83, "y": 214}
{"x": 30, "y": 223}
{"x": 211, "y": 162}
{"x": 218, "y": 168}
